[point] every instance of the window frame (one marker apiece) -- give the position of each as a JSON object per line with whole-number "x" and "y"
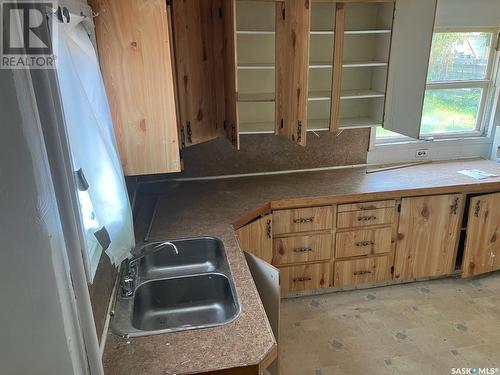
{"x": 485, "y": 84}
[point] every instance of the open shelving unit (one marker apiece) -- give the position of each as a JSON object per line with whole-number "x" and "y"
{"x": 255, "y": 40}
{"x": 349, "y": 48}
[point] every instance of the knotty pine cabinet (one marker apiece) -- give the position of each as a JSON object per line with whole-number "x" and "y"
{"x": 371, "y": 242}
{"x": 134, "y": 44}
{"x": 482, "y": 247}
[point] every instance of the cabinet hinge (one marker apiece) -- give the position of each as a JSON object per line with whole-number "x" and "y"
{"x": 220, "y": 12}
{"x": 283, "y": 13}
{"x": 392, "y": 270}
{"x": 224, "y": 124}
{"x": 399, "y": 207}
{"x": 189, "y": 132}
{"x": 281, "y": 124}
{"x": 233, "y": 134}
{"x": 183, "y": 138}
{"x": 477, "y": 209}
{"x": 169, "y": 3}
{"x": 299, "y": 132}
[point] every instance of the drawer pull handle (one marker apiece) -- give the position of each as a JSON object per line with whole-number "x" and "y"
{"x": 367, "y": 218}
{"x": 364, "y": 243}
{"x": 303, "y": 220}
{"x": 301, "y": 279}
{"x": 359, "y": 273}
{"x": 302, "y": 249}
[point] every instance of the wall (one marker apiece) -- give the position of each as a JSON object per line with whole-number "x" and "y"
{"x": 269, "y": 153}
{"x": 37, "y": 310}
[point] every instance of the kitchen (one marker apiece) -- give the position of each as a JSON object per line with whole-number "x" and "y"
{"x": 252, "y": 187}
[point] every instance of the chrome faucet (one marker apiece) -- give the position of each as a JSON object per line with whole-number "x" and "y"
{"x": 129, "y": 276}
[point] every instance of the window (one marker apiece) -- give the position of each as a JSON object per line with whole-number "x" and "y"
{"x": 458, "y": 82}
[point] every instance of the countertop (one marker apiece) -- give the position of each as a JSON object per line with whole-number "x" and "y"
{"x": 210, "y": 207}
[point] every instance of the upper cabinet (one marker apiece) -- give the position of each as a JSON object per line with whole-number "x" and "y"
{"x": 135, "y": 53}
{"x": 409, "y": 61}
{"x": 482, "y": 246}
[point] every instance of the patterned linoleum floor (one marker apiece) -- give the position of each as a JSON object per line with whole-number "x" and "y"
{"x": 420, "y": 328}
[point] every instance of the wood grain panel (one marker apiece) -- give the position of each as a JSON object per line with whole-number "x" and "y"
{"x": 362, "y": 206}
{"x": 133, "y": 41}
{"x": 482, "y": 247}
{"x": 301, "y": 249}
{"x": 256, "y": 238}
{"x": 197, "y": 33}
{"x": 292, "y": 69}
{"x": 355, "y": 219}
{"x": 302, "y": 220}
{"x": 306, "y": 277}
{"x": 232, "y": 123}
{"x": 338, "y": 57}
{"x": 363, "y": 242}
{"x": 361, "y": 271}
{"x": 429, "y": 229}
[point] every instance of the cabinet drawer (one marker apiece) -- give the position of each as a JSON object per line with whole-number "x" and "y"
{"x": 302, "y": 220}
{"x": 363, "y": 206}
{"x": 354, "y": 219}
{"x": 306, "y": 277}
{"x": 300, "y": 249}
{"x": 363, "y": 242}
{"x": 361, "y": 271}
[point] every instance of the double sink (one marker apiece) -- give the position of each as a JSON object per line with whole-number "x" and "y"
{"x": 174, "y": 286}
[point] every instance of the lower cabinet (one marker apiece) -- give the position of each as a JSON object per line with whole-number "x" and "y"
{"x": 362, "y": 271}
{"x": 482, "y": 247}
{"x": 428, "y": 234}
{"x": 371, "y": 242}
{"x": 305, "y": 277}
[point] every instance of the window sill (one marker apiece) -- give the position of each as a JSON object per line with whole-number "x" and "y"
{"x": 437, "y": 149}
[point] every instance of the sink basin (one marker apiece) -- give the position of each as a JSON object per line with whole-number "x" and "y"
{"x": 184, "y": 302}
{"x": 195, "y": 255}
{"x": 162, "y": 290}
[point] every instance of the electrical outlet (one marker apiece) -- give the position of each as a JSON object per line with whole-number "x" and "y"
{"x": 422, "y": 153}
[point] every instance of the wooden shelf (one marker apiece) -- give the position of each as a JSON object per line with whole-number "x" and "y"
{"x": 319, "y": 95}
{"x": 366, "y": 32}
{"x": 363, "y": 64}
{"x": 254, "y": 32}
{"x": 255, "y": 66}
{"x": 322, "y": 32}
{"x": 358, "y": 122}
{"x": 256, "y": 128}
{"x": 256, "y": 97}
{"x": 320, "y": 65}
{"x": 360, "y": 94}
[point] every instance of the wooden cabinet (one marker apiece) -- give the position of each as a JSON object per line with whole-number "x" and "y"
{"x": 302, "y": 249}
{"x": 134, "y": 46}
{"x": 305, "y": 277}
{"x": 302, "y": 220}
{"x": 362, "y": 271}
{"x": 482, "y": 247}
{"x": 363, "y": 242}
{"x": 256, "y": 238}
{"x": 428, "y": 236}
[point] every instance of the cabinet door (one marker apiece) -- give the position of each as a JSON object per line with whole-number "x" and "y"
{"x": 197, "y": 29}
{"x": 293, "y": 18}
{"x": 133, "y": 39}
{"x": 482, "y": 247}
{"x": 408, "y": 64}
{"x": 256, "y": 238}
{"x": 429, "y": 229}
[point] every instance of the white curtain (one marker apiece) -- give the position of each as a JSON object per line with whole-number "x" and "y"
{"x": 104, "y": 205}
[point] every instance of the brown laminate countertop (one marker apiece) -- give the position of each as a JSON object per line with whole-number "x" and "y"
{"x": 209, "y": 207}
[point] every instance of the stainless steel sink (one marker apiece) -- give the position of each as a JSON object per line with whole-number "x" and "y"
{"x": 183, "y": 302}
{"x": 174, "y": 286}
{"x": 194, "y": 255}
